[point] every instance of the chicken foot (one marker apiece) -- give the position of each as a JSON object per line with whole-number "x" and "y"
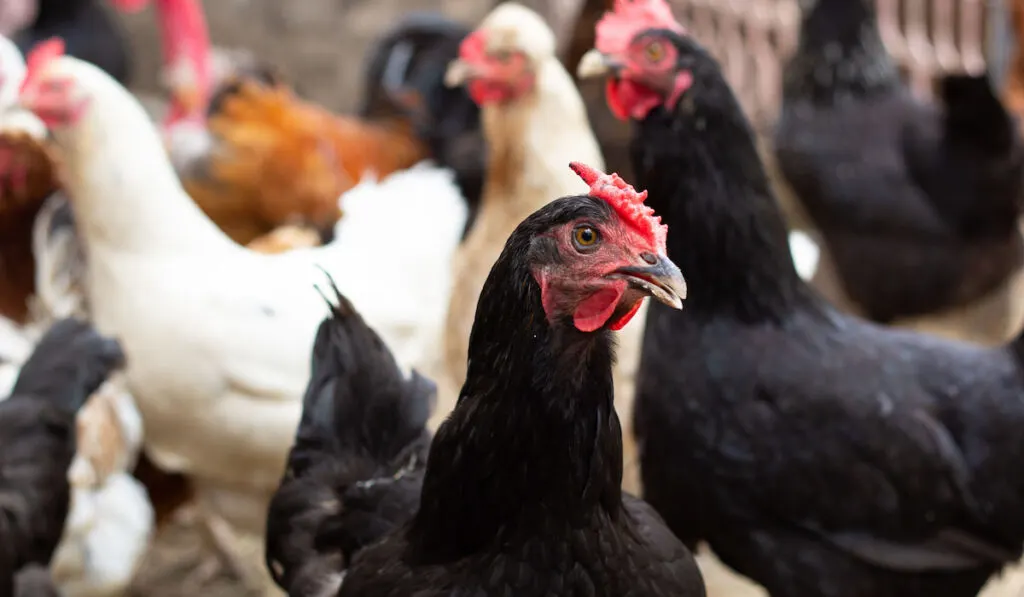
{"x": 221, "y": 539}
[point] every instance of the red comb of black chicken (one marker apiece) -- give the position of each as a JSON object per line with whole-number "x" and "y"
{"x": 625, "y": 200}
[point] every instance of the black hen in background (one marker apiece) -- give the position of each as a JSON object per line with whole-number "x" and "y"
{"x": 816, "y": 453}
{"x": 917, "y": 203}
{"x": 356, "y": 469}
{"x": 89, "y": 30}
{"x": 37, "y": 445}
{"x": 405, "y": 78}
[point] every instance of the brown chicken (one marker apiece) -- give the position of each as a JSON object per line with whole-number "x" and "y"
{"x": 279, "y": 160}
{"x": 27, "y": 177}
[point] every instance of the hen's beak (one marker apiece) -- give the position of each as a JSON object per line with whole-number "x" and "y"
{"x": 662, "y": 280}
{"x": 595, "y": 64}
{"x": 459, "y": 71}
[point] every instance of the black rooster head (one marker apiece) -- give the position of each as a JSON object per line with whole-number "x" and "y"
{"x": 649, "y": 60}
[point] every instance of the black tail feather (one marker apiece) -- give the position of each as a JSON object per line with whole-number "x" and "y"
{"x": 372, "y": 407}
{"x": 362, "y": 420}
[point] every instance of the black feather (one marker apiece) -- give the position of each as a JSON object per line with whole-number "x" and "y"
{"x": 522, "y": 489}
{"x": 89, "y": 31}
{"x": 355, "y": 471}
{"x": 37, "y": 444}
{"x": 917, "y": 202}
{"x": 818, "y": 454}
{"x": 446, "y": 119}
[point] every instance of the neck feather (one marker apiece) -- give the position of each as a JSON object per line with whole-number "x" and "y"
{"x": 126, "y": 193}
{"x": 534, "y": 440}
{"x": 704, "y": 176}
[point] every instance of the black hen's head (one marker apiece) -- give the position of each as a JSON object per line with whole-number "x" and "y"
{"x": 649, "y": 60}
{"x": 595, "y": 257}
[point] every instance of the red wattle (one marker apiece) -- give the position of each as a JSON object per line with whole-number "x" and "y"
{"x": 621, "y": 322}
{"x": 594, "y": 311}
{"x": 628, "y": 99}
{"x": 614, "y": 102}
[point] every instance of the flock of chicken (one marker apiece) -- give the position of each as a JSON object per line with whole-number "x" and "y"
{"x": 387, "y": 368}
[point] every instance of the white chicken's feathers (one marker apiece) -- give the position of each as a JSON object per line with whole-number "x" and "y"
{"x": 12, "y": 67}
{"x": 420, "y": 244}
{"x": 106, "y": 534}
{"x": 217, "y": 337}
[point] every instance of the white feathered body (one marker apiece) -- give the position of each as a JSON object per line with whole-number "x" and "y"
{"x": 218, "y": 337}
{"x": 531, "y": 141}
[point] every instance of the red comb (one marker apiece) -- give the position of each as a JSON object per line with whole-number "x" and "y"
{"x": 472, "y": 47}
{"x": 625, "y": 200}
{"x": 618, "y": 27}
{"x": 42, "y": 54}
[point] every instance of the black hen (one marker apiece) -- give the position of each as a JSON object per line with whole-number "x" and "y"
{"x": 355, "y": 472}
{"x": 405, "y": 79}
{"x": 37, "y": 444}
{"x": 89, "y": 31}
{"x": 522, "y": 490}
{"x": 918, "y": 204}
{"x": 818, "y": 454}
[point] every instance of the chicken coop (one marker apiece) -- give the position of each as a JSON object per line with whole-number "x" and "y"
{"x": 927, "y": 37}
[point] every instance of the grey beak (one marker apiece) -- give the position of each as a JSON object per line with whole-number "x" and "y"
{"x": 458, "y": 73}
{"x": 662, "y": 280}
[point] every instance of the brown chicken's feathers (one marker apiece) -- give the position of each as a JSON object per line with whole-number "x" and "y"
{"x": 28, "y": 175}
{"x": 279, "y": 160}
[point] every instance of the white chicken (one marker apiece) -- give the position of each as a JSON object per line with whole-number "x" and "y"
{"x": 534, "y": 127}
{"x": 218, "y": 337}
{"x": 110, "y": 521}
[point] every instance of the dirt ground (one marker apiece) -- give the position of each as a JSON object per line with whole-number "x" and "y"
{"x": 319, "y": 45}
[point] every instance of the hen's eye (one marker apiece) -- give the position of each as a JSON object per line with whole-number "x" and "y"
{"x": 585, "y": 236}
{"x": 654, "y": 51}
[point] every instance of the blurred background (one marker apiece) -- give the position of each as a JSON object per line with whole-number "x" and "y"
{"x": 319, "y": 47}
{"x": 320, "y": 43}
